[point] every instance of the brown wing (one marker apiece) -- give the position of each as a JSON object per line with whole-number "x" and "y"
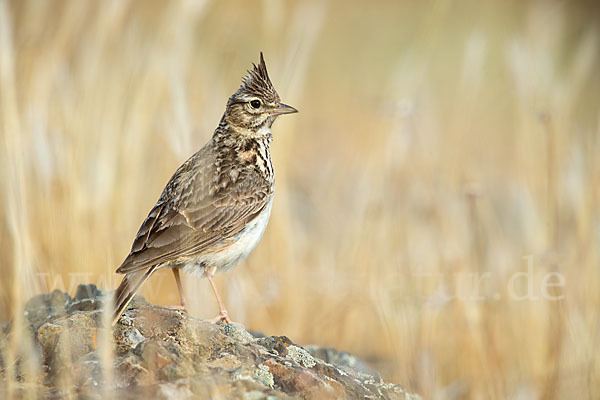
{"x": 195, "y": 211}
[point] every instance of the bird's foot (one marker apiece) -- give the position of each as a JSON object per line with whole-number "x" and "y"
{"x": 222, "y": 317}
{"x": 178, "y": 308}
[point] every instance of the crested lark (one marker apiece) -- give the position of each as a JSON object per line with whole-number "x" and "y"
{"x": 215, "y": 208}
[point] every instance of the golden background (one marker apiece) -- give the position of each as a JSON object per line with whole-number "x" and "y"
{"x": 445, "y": 161}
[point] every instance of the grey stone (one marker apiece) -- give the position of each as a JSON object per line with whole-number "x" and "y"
{"x": 166, "y": 354}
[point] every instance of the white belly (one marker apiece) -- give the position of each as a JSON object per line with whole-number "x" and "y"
{"x": 230, "y": 255}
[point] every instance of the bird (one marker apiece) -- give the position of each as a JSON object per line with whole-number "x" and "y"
{"x": 214, "y": 210}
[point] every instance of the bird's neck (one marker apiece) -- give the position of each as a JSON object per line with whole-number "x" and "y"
{"x": 240, "y": 146}
{"x": 241, "y": 137}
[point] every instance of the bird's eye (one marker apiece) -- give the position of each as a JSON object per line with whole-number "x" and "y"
{"x": 255, "y": 103}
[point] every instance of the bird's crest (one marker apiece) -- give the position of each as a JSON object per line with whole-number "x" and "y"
{"x": 258, "y": 83}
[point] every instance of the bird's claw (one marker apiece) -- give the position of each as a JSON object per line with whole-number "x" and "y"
{"x": 178, "y": 308}
{"x": 222, "y": 317}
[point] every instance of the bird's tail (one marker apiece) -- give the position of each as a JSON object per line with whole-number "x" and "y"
{"x": 127, "y": 289}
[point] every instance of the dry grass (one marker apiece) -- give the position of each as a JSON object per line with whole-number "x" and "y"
{"x": 438, "y": 145}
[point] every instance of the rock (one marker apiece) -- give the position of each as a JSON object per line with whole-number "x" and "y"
{"x": 162, "y": 353}
{"x": 44, "y": 307}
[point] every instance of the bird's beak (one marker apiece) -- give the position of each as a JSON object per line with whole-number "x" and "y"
{"x": 284, "y": 109}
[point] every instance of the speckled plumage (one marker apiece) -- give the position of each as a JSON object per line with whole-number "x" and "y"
{"x": 214, "y": 209}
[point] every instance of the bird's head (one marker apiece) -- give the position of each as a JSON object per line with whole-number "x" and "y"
{"x": 256, "y": 103}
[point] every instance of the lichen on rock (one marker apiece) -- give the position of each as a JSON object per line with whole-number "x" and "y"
{"x": 163, "y": 353}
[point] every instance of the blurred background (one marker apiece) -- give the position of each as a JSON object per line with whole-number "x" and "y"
{"x": 436, "y": 210}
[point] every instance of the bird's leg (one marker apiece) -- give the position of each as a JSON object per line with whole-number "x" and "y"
{"x": 223, "y": 315}
{"x": 180, "y": 288}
